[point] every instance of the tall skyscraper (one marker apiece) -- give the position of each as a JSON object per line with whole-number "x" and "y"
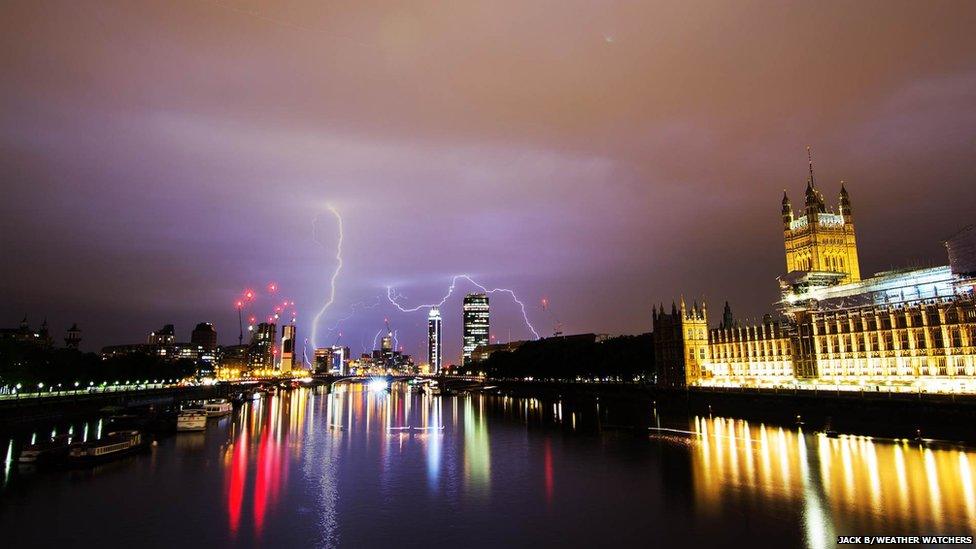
{"x": 475, "y": 324}
{"x": 262, "y": 349}
{"x": 434, "y": 340}
{"x": 287, "y": 347}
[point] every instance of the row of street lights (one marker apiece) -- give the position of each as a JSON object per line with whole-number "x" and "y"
{"x": 15, "y": 391}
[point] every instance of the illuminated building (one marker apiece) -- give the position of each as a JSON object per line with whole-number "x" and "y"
{"x": 287, "y": 348}
{"x": 475, "y": 324}
{"x": 434, "y": 340}
{"x": 340, "y": 359}
{"x": 162, "y": 343}
{"x": 386, "y": 344}
{"x": 323, "y": 359}
{"x": 164, "y": 336}
{"x": 900, "y": 330}
{"x": 261, "y": 352}
{"x": 821, "y": 240}
{"x": 680, "y": 344}
{"x": 233, "y": 361}
{"x": 750, "y": 353}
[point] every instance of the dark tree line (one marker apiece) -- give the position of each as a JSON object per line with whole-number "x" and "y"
{"x": 625, "y": 358}
{"x": 31, "y": 364}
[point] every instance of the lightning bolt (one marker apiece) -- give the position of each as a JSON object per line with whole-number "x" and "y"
{"x": 335, "y": 274}
{"x": 375, "y": 337}
{"x": 361, "y": 305}
{"x": 392, "y": 295}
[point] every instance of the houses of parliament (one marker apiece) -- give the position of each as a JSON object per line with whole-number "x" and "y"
{"x": 902, "y": 330}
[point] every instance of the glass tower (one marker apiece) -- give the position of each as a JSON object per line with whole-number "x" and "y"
{"x": 475, "y": 324}
{"x": 434, "y": 340}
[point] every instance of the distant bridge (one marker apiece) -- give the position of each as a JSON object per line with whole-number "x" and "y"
{"x": 330, "y": 379}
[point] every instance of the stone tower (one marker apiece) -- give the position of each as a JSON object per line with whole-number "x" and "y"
{"x": 820, "y": 240}
{"x": 680, "y": 344}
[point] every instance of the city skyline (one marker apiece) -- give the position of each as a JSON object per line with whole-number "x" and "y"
{"x": 141, "y": 192}
{"x": 487, "y": 274}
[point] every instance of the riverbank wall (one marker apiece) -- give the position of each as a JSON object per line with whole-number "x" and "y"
{"x": 896, "y": 415}
{"x": 31, "y": 409}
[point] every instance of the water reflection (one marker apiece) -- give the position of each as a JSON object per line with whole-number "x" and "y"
{"x": 477, "y": 459}
{"x": 841, "y": 485}
{"x": 352, "y": 466}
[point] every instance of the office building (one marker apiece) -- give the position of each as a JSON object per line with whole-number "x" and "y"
{"x": 287, "y": 348}
{"x": 475, "y": 324}
{"x": 434, "y": 340}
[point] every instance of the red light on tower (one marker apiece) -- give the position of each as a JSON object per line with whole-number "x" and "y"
{"x": 239, "y": 304}
{"x": 272, "y": 287}
{"x": 248, "y": 294}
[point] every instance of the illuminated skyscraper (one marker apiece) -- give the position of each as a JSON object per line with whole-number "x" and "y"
{"x": 260, "y": 354}
{"x": 287, "y": 347}
{"x": 475, "y": 324}
{"x": 434, "y": 340}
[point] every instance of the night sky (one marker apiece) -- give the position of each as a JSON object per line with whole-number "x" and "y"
{"x": 158, "y": 157}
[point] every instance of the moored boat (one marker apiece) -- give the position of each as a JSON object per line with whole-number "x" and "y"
{"x": 192, "y": 419}
{"x": 218, "y": 407}
{"x": 111, "y": 446}
{"x": 45, "y": 452}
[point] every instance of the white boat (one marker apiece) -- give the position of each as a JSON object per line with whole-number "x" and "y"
{"x": 218, "y": 407}
{"x": 192, "y": 419}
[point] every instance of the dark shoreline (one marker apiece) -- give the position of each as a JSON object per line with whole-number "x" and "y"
{"x": 906, "y": 416}
{"x": 23, "y": 413}
{"x": 628, "y": 406}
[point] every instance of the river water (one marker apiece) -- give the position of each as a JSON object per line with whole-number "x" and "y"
{"x": 309, "y": 467}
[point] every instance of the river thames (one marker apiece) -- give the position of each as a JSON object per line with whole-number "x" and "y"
{"x": 357, "y": 467}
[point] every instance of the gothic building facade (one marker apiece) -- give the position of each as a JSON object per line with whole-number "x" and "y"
{"x": 911, "y": 329}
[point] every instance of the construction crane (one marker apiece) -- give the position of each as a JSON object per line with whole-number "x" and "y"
{"x": 557, "y": 327}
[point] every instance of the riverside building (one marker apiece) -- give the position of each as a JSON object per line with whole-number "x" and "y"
{"x": 910, "y": 330}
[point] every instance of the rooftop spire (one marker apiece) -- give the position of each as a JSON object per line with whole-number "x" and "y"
{"x": 810, "y": 165}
